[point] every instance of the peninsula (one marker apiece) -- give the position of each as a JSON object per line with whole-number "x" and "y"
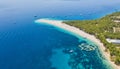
{"x": 97, "y": 31}
{"x": 107, "y": 30}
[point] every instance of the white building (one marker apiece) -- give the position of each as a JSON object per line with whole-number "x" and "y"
{"x": 116, "y": 41}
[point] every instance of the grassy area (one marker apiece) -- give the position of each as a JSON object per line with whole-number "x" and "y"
{"x": 103, "y": 28}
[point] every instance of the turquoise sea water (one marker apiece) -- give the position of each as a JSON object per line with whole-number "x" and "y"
{"x": 78, "y": 58}
{"x": 25, "y": 44}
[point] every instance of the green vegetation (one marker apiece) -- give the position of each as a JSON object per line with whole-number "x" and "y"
{"x": 103, "y": 28}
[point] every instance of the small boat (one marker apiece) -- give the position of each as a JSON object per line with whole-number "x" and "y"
{"x": 35, "y": 16}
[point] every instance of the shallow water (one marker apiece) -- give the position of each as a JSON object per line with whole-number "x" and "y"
{"x": 27, "y": 45}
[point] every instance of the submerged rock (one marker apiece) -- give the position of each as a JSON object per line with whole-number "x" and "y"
{"x": 87, "y": 47}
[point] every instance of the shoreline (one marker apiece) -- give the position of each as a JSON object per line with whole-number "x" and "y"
{"x": 77, "y": 31}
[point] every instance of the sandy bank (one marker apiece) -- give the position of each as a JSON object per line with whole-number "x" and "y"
{"x": 81, "y": 33}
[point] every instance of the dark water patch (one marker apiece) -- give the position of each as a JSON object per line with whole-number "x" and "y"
{"x": 80, "y": 59}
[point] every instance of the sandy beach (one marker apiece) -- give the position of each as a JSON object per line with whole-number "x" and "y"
{"x": 75, "y": 30}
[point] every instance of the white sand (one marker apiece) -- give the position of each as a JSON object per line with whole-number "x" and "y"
{"x": 75, "y": 30}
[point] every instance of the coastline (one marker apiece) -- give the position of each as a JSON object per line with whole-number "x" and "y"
{"x": 77, "y": 31}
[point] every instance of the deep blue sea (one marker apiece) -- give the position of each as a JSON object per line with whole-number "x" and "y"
{"x": 25, "y": 44}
